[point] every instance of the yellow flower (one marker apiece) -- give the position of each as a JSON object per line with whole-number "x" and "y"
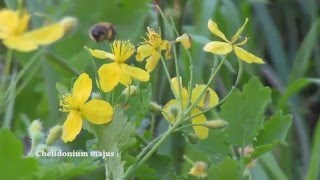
{"x": 111, "y": 74}
{"x": 13, "y": 26}
{"x": 213, "y": 100}
{"x": 95, "y": 111}
{"x": 152, "y": 48}
{"x": 199, "y": 169}
{"x": 218, "y": 47}
{"x": 185, "y": 40}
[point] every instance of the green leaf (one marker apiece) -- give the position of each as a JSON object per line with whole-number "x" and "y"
{"x": 275, "y": 130}
{"x": 245, "y": 112}
{"x": 273, "y": 40}
{"x": 66, "y": 168}
{"x": 314, "y": 171}
{"x": 139, "y": 104}
{"x": 12, "y": 163}
{"x": 294, "y": 87}
{"x": 305, "y": 50}
{"x": 214, "y": 147}
{"x": 114, "y": 137}
{"x": 227, "y": 169}
{"x": 61, "y": 89}
{"x": 162, "y": 164}
{"x": 271, "y": 165}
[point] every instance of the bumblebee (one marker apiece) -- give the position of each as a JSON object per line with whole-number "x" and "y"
{"x": 102, "y": 31}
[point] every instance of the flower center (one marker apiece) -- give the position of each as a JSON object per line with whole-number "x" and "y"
{"x": 122, "y": 50}
{"x": 69, "y": 103}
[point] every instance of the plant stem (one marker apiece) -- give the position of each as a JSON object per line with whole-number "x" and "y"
{"x": 226, "y": 97}
{"x": 213, "y": 74}
{"x": 6, "y": 71}
{"x": 133, "y": 168}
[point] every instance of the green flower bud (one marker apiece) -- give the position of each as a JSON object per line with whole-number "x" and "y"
{"x": 193, "y": 138}
{"x": 130, "y": 90}
{"x": 54, "y": 134}
{"x": 35, "y": 129}
{"x": 154, "y": 107}
{"x": 216, "y": 124}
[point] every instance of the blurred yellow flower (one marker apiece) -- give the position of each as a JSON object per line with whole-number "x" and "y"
{"x": 152, "y": 48}
{"x": 112, "y": 73}
{"x": 213, "y": 100}
{"x": 13, "y": 27}
{"x": 95, "y": 111}
{"x": 218, "y": 47}
{"x": 185, "y": 40}
{"x": 199, "y": 169}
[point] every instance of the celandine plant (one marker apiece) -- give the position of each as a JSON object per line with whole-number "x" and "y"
{"x": 224, "y": 136}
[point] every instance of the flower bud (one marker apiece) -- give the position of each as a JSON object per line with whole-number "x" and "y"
{"x": 185, "y": 40}
{"x": 199, "y": 169}
{"x": 193, "y": 138}
{"x": 69, "y": 23}
{"x": 35, "y": 129}
{"x": 216, "y": 124}
{"x": 54, "y": 134}
{"x": 154, "y": 107}
{"x": 130, "y": 90}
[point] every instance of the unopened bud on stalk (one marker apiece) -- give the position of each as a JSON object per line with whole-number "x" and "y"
{"x": 54, "y": 134}
{"x": 69, "y": 23}
{"x": 35, "y": 130}
{"x": 193, "y": 138}
{"x": 199, "y": 169}
{"x": 130, "y": 90}
{"x": 154, "y": 107}
{"x": 185, "y": 40}
{"x": 216, "y": 124}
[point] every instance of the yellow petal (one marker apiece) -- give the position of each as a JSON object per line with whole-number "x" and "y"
{"x": 144, "y": 51}
{"x": 201, "y": 131}
{"x": 246, "y": 56}
{"x": 135, "y": 72}
{"x": 175, "y": 89}
{"x": 82, "y": 88}
{"x": 97, "y": 111}
{"x": 213, "y": 27}
{"x": 72, "y": 126}
{"x": 185, "y": 40}
{"x": 239, "y": 32}
{"x": 100, "y": 54}
{"x": 12, "y": 23}
{"x": 213, "y": 97}
{"x": 20, "y": 43}
{"x": 109, "y": 76}
{"x": 45, "y": 35}
{"x": 152, "y": 61}
{"x": 170, "y": 111}
{"x": 165, "y": 45}
{"x": 217, "y": 47}
{"x": 125, "y": 79}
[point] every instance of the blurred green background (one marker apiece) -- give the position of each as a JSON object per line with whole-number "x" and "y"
{"x": 285, "y": 33}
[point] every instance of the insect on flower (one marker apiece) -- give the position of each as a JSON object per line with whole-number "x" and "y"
{"x": 102, "y": 31}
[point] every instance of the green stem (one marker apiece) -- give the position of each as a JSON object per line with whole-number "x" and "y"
{"x": 189, "y": 125}
{"x": 143, "y": 152}
{"x": 133, "y": 168}
{"x": 226, "y": 97}
{"x": 213, "y": 74}
{"x": 62, "y": 63}
{"x": 6, "y": 71}
{"x": 178, "y": 76}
